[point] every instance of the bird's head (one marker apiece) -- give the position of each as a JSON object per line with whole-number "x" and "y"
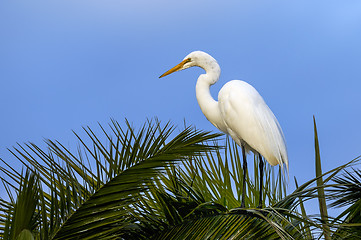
{"x": 196, "y": 58}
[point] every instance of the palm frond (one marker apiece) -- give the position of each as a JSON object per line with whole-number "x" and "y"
{"x": 21, "y": 215}
{"x": 347, "y": 193}
{"x": 217, "y": 177}
{"x": 125, "y": 184}
{"x": 200, "y": 192}
{"x": 320, "y": 189}
{"x": 237, "y": 223}
{"x": 87, "y": 192}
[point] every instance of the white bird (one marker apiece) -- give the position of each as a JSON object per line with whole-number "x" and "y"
{"x": 239, "y": 112}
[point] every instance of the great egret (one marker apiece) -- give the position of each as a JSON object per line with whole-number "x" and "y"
{"x": 240, "y": 112}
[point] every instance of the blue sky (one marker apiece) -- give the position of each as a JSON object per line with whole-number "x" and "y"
{"x": 67, "y": 64}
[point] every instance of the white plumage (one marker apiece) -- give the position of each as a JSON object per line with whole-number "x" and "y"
{"x": 240, "y": 112}
{"x": 250, "y": 121}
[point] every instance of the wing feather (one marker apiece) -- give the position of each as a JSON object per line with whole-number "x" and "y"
{"x": 251, "y": 122}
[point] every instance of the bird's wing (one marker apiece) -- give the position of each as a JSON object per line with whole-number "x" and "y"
{"x": 250, "y": 120}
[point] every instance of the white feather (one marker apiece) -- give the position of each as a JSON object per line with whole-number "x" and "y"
{"x": 240, "y": 110}
{"x": 251, "y": 122}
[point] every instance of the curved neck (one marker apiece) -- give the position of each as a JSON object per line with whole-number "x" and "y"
{"x": 208, "y": 105}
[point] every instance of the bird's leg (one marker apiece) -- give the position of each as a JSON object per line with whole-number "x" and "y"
{"x": 244, "y": 177}
{"x": 260, "y": 180}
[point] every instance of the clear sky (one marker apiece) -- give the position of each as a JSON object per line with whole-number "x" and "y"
{"x": 71, "y": 63}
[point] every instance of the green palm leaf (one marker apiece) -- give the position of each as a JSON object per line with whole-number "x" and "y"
{"x": 89, "y": 191}
{"x": 22, "y": 218}
{"x": 347, "y": 193}
{"x": 191, "y": 201}
{"x": 125, "y": 184}
{"x": 236, "y": 224}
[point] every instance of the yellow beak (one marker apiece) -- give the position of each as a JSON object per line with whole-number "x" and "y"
{"x": 176, "y": 68}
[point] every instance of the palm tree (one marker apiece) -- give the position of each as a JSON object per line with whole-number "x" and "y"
{"x": 151, "y": 183}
